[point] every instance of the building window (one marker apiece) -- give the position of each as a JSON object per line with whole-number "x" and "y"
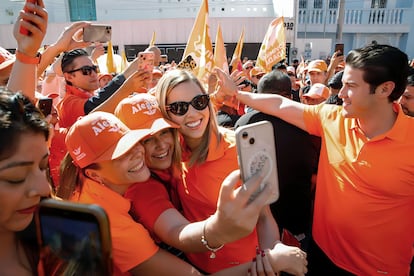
{"x": 317, "y": 4}
{"x": 333, "y": 4}
{"x": 82, "y": 10}
{"x": 303, "y": 4}
{"x": 375, "y": 4}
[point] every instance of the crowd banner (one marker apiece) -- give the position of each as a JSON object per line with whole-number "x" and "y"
{"x": 273, "y": 48}
{"x": 195, "y": 40}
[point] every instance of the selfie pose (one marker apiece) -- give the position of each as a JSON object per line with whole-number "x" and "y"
{"x": 101, "y": 173}
{"x": 209, "y": 155}
{"x": 155, "y": 202}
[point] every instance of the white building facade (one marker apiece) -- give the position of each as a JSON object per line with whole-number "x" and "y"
{"x": 311, "y": 25}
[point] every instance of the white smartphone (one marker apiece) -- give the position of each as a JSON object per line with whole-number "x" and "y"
{"x": 97, "y": 33}
{"x": 146, "y": 61}
{"x": 76, "y": 236}
{"x": 256, "y": 151}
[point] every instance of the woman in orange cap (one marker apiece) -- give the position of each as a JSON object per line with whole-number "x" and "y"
{"x": 101, "y": 173}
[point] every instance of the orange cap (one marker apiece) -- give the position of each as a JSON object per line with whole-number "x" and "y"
{"x": 318, "y": 65}
{"x": 256, "y": 71}
{"x": 100, "y": 136}
{"x": 141, "y": 111}
{"x": 317, "y": 90}
{"x": 6, "y": 58}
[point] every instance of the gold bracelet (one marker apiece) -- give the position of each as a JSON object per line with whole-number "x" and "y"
{"x": 205, "y": 243}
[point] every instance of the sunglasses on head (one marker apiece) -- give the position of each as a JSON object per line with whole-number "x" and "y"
{"x": 199, "y": 102}
{"x": 86, "y": 70}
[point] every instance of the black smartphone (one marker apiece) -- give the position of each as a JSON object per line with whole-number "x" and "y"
{"x": 339, "y": 47}
{"x": 76, "y": 236}
{"x": 97, "y": 33}
{"x": 45, "y": 105}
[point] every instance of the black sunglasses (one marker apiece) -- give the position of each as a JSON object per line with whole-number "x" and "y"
{"x": 86, "y": 70}
{"x": 199, "y": 102}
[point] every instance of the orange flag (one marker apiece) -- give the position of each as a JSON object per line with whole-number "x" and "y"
{"x": 236, "y": 63}
{"x": 110, "y": 65}
{"x": 124, "y": 61}
{"x": 207, "y": 57}
{"x": 195, "y": 41}
{"x": 220, "y": 56}
{"x": 273, "y": 48}
{"x": 152, "y": 42}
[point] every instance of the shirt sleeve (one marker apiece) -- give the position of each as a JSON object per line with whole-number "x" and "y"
{"x": 149, "y": 201}
{"x": 104, "y": 93}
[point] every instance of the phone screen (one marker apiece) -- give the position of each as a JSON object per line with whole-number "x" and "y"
{"x": 339, "y": 47}
{"x": 45, "y": 105}
{"x": 75, "y": 238}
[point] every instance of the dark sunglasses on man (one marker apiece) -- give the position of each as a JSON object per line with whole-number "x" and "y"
{"x": 199, "y": 102}
{"x": 86, "y": 70}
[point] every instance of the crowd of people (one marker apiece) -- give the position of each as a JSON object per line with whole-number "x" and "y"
{"x": 156, "y": 149}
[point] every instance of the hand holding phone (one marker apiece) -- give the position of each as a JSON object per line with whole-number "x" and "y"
{"x": 339, "y": 47}
{"x": 146, "y": 61}
{"x": 76, "y": 235}
{"x": 45, "y": 105}
{"x": 256, "y": 152}
{"x": 97, "y": 33}
{"x": 23, "y": 30}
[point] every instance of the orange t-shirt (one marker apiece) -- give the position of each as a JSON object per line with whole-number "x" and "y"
{"x": 149, "y": 200}
{"x": 363, "y": 217}
{"x": 199, "y": 195}
{"x": 131, "y": 242}
{"x": 72, "y": 106}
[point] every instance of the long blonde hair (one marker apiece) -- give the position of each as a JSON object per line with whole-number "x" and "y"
{"x": 168, "y": 82}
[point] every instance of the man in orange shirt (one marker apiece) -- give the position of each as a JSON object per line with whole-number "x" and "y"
{"x": 82, "y": 94}
{"x": 364, "y": 201}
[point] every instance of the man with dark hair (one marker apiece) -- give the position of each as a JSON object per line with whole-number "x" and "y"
{"x": 407, "y": 99}
{"x": 82, "y": 93}
{"x": 297, "y": 161}
{"x": 364, "y": 201}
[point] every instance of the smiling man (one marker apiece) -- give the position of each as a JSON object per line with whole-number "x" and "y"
{"x": 365, "y": 182}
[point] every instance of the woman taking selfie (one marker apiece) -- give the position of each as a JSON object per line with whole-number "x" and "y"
{"x": 209, "y": 155}
{"x": 101, "y": 173}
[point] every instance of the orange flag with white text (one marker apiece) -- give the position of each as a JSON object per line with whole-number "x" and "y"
{"x": 110, "y": 65}
{"x": 236, "y": 63}
{"x": 220, "y": 56}
{"x": 206, "y": 63}
{"x": 273, "y": 48}
{"x": 196, "y": 39}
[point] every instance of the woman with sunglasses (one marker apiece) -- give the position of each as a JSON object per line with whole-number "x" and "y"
{"x": 209, "y": 155}
{"x": 101, "y": 173}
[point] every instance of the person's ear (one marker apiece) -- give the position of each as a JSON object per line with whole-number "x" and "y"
{"x": 94, "y": 175}
{"x": 385, "y": 89}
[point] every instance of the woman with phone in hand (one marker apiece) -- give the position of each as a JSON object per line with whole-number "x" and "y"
{"x": 156, "y": 203}
{"x": 101, "y": 173}
{"x": 209, "y": 155}
{"x": 23, "y": 164}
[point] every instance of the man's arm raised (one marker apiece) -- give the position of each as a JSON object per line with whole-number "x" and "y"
{"x": 282, "y": 107}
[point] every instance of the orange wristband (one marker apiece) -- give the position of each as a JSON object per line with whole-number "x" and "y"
{"x": 27, "y": 59}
